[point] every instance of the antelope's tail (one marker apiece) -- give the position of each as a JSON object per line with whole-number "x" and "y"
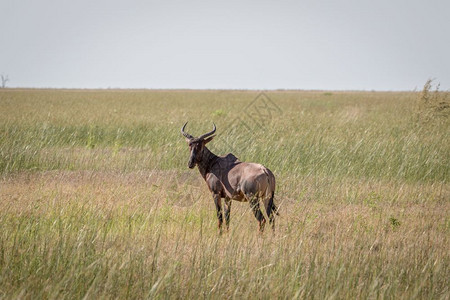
{"x": 271, "y": 205}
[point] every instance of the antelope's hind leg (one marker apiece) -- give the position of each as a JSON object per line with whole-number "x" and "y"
{"x": 254, "y": 204}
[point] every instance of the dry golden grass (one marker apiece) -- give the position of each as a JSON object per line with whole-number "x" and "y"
{"x": 374, "y": 239}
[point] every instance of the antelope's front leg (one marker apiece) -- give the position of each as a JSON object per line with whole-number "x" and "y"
{"x": 218, "y": 204}
{"x": 227, "y": 212}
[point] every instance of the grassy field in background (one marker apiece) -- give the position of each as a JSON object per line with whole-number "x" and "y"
{"x": 97, "y": 200}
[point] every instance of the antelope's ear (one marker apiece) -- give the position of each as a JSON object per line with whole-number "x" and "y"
{"x": 187, "y": 140}
{"x": 208, "y": 139}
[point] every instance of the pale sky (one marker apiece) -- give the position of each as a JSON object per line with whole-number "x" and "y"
{"x": 330, "y": 45}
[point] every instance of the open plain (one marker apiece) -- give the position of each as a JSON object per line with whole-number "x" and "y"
{"x": 97, "y": 200}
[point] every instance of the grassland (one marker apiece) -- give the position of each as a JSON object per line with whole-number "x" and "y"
{"x": 97, "y": 200}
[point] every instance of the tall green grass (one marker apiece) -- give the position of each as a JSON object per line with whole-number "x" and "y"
{"x": 356, "y": 134}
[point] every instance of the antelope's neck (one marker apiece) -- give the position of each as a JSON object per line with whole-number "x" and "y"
{"x": 207, "y": 161}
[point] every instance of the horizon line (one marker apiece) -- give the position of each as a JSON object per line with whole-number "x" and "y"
{"x": 212, "y": 89}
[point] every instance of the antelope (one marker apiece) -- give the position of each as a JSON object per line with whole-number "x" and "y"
{"x": 230, "y": 179}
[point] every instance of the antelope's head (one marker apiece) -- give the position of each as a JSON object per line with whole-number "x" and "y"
{"x": 196, "y": 145}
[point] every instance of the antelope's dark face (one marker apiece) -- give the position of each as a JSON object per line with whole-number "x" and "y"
{"x": 196, "y": 151}
{"x": 196, "y": 145}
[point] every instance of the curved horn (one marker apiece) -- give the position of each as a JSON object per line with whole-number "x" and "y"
{"x": 187, "y": 135}
{"x": 208, "y": 134}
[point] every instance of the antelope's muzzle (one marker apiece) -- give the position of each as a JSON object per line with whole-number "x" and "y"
{"x": 191, "y": 163}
